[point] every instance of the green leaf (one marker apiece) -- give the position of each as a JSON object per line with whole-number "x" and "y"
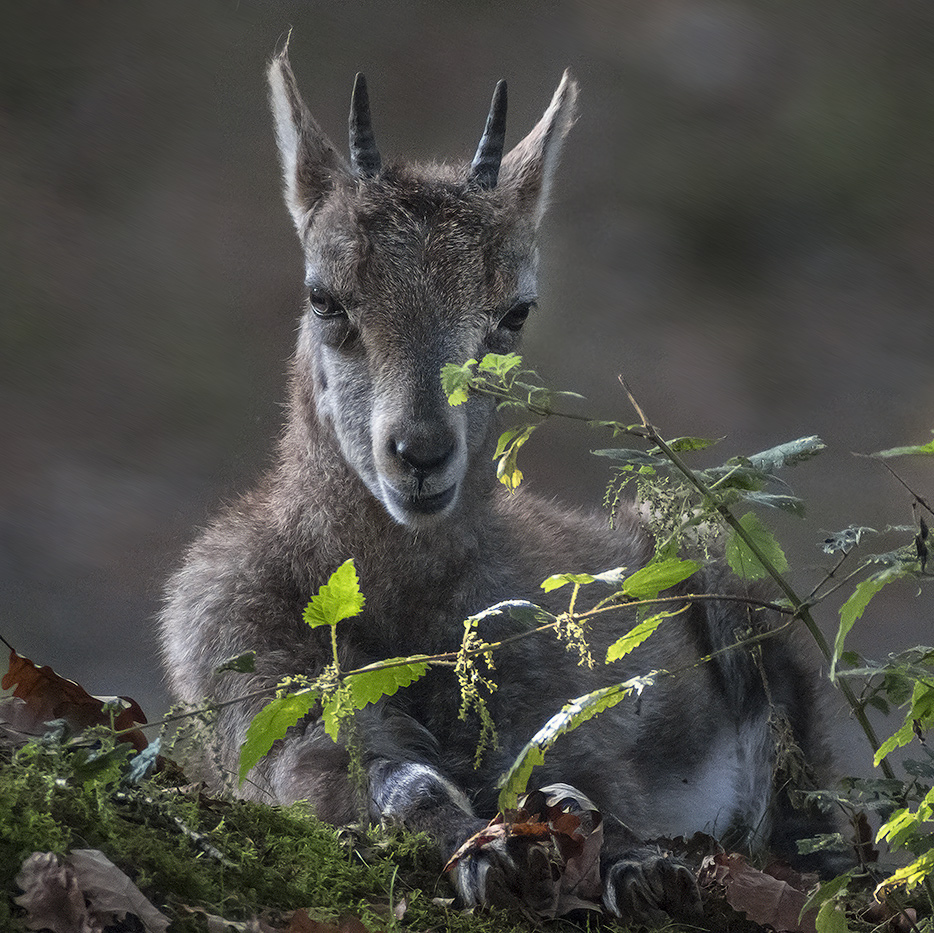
{"x": 741, "y": 559}
{"x": 679, "y": 444}
{"x": 271, "y": 723}
{"x": 507, "y": 450}
{"x": 557, "y": 580}
{"x": 500, "y": 364}
{"x": 648, "y": 582}
{"x": 368, "y": 686}
{"x": 768, "y": 461}
{"x": 455, "y": 381}
{"x": 514, "y": 781}
{"x": 851, "y": 610}
{"x": 340, "y": 598}
{"x": 926, "y": 450}
{"x": 791, "y": 504}
{"x": 633, "y": 638}
{"x": 634, "y": 458}
{"x": 831, "y": 919}
{"x": 826, "y": 891}
{"x": 911, "y": 875}
{"x": 241, "y": 664}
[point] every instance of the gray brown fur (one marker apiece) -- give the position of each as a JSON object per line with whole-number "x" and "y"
{"x": 426, "y": 264}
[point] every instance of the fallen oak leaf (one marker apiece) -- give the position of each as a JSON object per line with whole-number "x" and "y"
{"x": 50, "y": 696}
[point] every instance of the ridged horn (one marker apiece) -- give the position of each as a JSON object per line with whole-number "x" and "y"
{"x": 364, "y": 156}
{"x": 484, "y": 170}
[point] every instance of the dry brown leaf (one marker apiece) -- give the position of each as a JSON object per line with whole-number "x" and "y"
{"x": 81, "y": 893}
{"x": 49, "y": 696}
{"x": 763, "y": 898}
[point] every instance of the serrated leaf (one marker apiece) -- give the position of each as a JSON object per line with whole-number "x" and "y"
{"x": 926, "y": 450}
{"x": 741, "y": 559}
{"x": 369, "y": 686}
{"x": 854, "y": 607}
{"x": 455, "y": 381}
{"x": 241, "y": 664}
{"x": 557, "y": 580}
{"x": 787, "y": 454}
{"x": 791, "y": 504}
{"x": 909, "y": 875}
{"x": 648, "y": 582}
{"x": 338, "y": 599}
{"x": 270, "y": 724}
{"x": 633, "y": 638}
{"x": 633, "y": 457}
{"x": 826, "y": 891}
{"x": 831, "y": 919}
{"x": 679, "y": 444}
{"x": 572, "y": 714}
{"x": 501, "y": 364}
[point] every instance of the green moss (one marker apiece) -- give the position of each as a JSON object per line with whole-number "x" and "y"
{"x": 273, "y": 858}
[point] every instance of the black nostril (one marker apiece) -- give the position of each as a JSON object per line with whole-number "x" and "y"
{"x": 423, "y": 454}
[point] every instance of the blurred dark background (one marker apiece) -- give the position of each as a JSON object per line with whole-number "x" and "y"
{"x": 742, "y": 225}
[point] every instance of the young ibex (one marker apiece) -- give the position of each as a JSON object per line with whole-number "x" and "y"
{"x": 407, "y": 268}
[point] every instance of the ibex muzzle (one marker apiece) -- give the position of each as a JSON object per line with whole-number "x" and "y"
{"x": 407, "y": 268}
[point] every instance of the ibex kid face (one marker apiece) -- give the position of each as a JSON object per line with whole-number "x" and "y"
{"x": 407, "y": 270}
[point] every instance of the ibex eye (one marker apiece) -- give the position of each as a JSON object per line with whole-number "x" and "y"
{"x": 323, "y": 303}
{"x": 515, "y": 317}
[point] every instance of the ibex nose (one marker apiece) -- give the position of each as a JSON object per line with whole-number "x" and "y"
{"x": 423, "y": 452}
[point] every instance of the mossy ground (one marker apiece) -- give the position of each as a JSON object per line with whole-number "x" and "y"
{"x": 56, "y": 798}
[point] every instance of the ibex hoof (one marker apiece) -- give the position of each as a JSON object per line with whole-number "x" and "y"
{"x": 651, "y": 887}
{"x": 507, "y": 873}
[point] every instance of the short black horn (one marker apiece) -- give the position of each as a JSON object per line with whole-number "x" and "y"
{"x": 364, "y": 156}
{"x": 484, "y": 169}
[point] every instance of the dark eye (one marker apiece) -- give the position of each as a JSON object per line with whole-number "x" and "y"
{"x": 323, "y": 303}
{"x": 515, "y": 317}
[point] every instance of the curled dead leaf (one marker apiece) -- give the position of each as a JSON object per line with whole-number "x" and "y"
{"x": 47, "y": 696}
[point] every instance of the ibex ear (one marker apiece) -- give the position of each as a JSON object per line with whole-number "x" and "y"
{"x": 527, "y": 169}
{"x": 309, "y": 160}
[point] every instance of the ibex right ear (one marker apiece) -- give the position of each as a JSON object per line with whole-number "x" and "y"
{"x": 309, "y": 160}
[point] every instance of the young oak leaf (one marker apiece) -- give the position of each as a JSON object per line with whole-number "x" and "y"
{"x": 340, "y": 598}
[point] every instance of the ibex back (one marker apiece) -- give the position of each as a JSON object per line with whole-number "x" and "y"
{"x": 408, "y": 268}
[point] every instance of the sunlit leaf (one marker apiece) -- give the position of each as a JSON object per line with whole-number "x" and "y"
{"x": 455, "y": 381}
{"x": 340, "y": 598}
{"x": 557, "y": 580}
{"x": 514, "y": 781}
{"x": 648, "y": 582}
{"x": 368, "y": 686}
{"x": 633, "y": 638}
{"x": 271, "y": 723}
{"x": 912, "y": 450}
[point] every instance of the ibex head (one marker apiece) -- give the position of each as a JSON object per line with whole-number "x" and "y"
{"x": 408, "y": 268}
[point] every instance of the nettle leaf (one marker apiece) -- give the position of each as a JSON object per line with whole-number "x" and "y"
{"x": 741, "y": 559}
{"x": 514, "y": 781}
{"x": 455, "y": 381}
{"x": 271, "y": 723}
{"x": 926, "y": 450}
{"x": 557, "y": 580}
{"x": 340, "y": 598}
{"x": 648, "y": 582}
{"x": 854, "y": 607}
{"x": 920, "y": 715}
{"x": 241, "y": 664}
{"x": 634, "y": 458}
{"x": 786, "y": 503}
{"x": 680, "y": 444}
{"x": 507, "y": 451}
{"x": 632, "y": 639}
{"x": 500, "y": 364}
{"x": 788, "y": 454}
{"x": 368, "y": 686}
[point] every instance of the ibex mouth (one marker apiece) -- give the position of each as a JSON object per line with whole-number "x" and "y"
{"x": 422, "y": 505}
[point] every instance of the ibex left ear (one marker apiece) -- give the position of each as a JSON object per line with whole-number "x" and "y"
{"x": 309, "y": 160}
{"x": 527, "y": 169}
